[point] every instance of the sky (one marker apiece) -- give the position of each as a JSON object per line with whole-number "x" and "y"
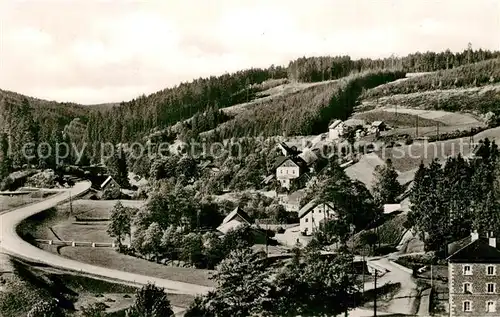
{"x": 91, "y": 51}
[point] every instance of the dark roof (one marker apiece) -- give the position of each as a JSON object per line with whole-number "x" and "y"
{"x": 297, "y": 160}
{"x": 237, "y": 212}
{"x": 290, "y": 150}
{"x": 335, "y": 124}
{"x": 477, "y": 251}
{"x": 309, "y": 206}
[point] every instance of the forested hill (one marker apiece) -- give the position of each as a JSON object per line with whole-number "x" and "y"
{"x": 24, "y": 118}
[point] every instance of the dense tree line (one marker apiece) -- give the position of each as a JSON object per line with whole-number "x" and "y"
{"x": 315, "y": 69}
{"x": 450, "y": 200}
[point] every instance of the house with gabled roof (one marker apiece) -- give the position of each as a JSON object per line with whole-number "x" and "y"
{"x": 335, "y": 130}
{"x": 289, "y": 169}
{"x": 234, "y": 219}
{"x": 473, "y": 270}
{"x": 313, "y": 214}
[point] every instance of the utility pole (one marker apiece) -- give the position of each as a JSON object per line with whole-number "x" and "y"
{"x": 364, "y": 263}
{"x": 375, "y": 295}
{"x": 416, "y": 128}
{"x": 267, "y": 242}
{"x": 432, "y": 279}
{"x": 70, "y": 204}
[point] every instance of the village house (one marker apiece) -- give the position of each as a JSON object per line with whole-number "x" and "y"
{"x": 312, "y": 214}
{"x": 233, "y": 220}
{"x": 289, "y": 169}
{"x": 291, "y": 202}
{"x": 474, "y": 274}
{"x": 335, "y": 130}
{"x": 378, "y": 126}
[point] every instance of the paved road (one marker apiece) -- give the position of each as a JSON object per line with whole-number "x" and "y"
{"x": 12, "y": 244}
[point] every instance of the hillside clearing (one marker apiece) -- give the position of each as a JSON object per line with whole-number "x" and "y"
{"x": 274, "y": 92}
{"x": 474, "y": 99}
{"x": 399, "y": 120}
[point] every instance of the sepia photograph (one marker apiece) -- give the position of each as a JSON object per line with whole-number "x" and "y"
{"x": 249, "y": 158}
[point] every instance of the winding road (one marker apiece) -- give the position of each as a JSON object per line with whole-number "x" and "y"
{"x": 12, "y": 244}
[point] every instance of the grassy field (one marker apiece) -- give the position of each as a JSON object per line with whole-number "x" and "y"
{"x": 60, "y": 225}
{"x": 401, "y": 120}
{"x": 476, "y": 99}
{"x": 7, "y": 202}
{"x": 109, "y": 258}
{"x": 408, "y": 157}
{"x": 65, "y": 226}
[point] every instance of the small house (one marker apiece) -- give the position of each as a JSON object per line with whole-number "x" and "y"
{"x": 233, "y": 220}
{"x": 390, "y": 208}
{"x": 312, "y": 214}
{"x": 378, "y": 126}
{"x": 335, "y": 130}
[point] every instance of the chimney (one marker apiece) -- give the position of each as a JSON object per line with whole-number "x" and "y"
{"x": 474, "y": 235}
{"x": 492, "y": 240}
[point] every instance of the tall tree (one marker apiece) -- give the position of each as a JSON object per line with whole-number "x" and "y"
{"x": 242, "y": 285}
{"x": 117, "y": 167}
{"x": 5, "y": 163}
{"x": 387, "y": 187}
{"x": 120, "y": 222}
{"x": 151, "y": 301}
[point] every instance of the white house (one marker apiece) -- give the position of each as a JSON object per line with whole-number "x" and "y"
{"x": 312, "y": 214}
{"x": 287, "y": 169}
{"x": 335, "y": 130}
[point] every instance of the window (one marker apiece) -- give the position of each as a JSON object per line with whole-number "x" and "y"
{"x": 467, "y": 288}
{"x": 467, "y": 270}
{"x": 490, "y": 287}
{"x": 467, "y": 306}
{"x": 490, "y": 270}
{"x": 307, "y": 219}
{"x": 293, "y": 171}
{"x": 491, "y": 306}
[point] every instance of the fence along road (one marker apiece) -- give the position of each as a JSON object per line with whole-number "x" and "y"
{"x": 12, "y": 244}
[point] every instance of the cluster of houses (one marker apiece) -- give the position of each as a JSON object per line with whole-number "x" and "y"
{"x": 339, "y": 128}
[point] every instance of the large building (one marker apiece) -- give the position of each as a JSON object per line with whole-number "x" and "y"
{"x": 474, "y": 273}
